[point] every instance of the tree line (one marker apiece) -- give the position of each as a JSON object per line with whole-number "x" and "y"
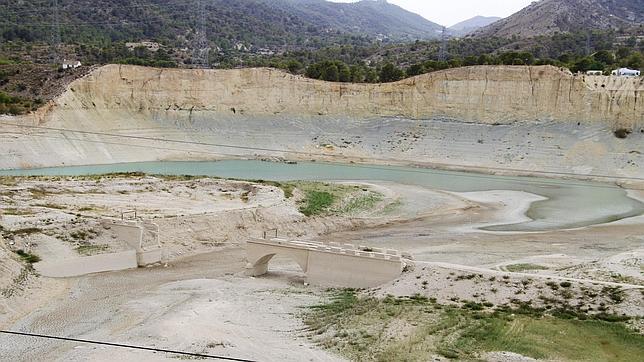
{"x": 339, "y": 71}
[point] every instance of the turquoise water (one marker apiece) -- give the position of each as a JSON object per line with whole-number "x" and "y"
{"x": 570, "y": 204}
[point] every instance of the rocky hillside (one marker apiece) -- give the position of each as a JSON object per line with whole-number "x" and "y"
{"x": 547, "y": 17}
{"x": 472, "y": 24}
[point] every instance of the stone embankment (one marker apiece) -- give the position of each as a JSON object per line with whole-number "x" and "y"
{"x": 485, "y": 118}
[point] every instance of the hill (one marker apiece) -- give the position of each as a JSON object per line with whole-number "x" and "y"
{"x": 274, "y": 24}
{"x": 472, "y": 24}
{"x": 548, "y": 17}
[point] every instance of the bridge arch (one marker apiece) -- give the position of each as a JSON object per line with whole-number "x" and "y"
{"x": 259, "y": 257}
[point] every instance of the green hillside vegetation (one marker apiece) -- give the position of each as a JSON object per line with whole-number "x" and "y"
{"x": 175, "y": 23}
{"x": 358, "y": 326}
{"x": 16, "y": 105}
{"x": 369, "y": 41}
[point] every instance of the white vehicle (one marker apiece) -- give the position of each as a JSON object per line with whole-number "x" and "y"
{"x": 625, "y": 72}
{"x": 594, "y": 72}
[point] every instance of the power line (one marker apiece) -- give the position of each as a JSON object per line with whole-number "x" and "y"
{"x": 127, "y": 346}
{"x": 307, "y": 153}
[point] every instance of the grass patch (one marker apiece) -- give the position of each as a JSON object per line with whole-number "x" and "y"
{"x": 27, "y": 257}
{"x": 25, "y": 231}
{"x": 362, "y": 203}
{"x": 16, "y": 212}
{"x": 392, "y": 207}
{"x": 415, "y": 327}
{"x": 51, "y": 206}
{"x": 91, "y": 249}
{"x": 517, "y": 268}
{"x": 316, "y": 203}
{"x": 323, "y": 198}
{"x": 83, "y": 235}
{"x": 8, "y": 181}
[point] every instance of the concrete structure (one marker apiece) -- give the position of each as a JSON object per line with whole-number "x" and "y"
{"x": 87, "y": 265}
{"x": 625, "y": 72}
{"x": 141, "y": 236}
{"x": 331, "y": 264}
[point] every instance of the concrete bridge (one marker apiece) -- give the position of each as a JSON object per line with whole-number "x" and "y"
{"x": 330, "y": 264}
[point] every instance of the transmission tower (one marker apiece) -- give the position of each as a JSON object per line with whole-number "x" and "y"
{"x": 588, "y": 43}
{"x": 442, "y": 54}
{"x": 200, "y": 46}
{"x": 55, "y": 34}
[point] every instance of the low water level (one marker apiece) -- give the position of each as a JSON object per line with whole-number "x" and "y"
{"x": 570, "y": 204}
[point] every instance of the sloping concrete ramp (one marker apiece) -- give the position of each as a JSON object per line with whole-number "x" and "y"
{"x": 141, "y": 236}
{"x": 331, "y": 264}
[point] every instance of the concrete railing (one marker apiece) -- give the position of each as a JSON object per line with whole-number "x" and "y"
{"x": 336, "y": 248}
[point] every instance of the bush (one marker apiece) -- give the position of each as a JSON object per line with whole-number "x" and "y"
{"x": 28, "y": 257}
{"x": 622, "y": 133}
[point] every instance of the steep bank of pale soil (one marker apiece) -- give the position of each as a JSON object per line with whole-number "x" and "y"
{"x": 487, "y": 117}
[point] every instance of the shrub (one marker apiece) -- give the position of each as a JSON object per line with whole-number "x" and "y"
{"x": 622, "y": 133}
{"x": 28, "y": 257}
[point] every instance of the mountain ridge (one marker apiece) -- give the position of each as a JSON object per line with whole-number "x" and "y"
{"x": 547, "y": 17}
{"x": 260, "y": 23}
{"x": 467, "y": 26}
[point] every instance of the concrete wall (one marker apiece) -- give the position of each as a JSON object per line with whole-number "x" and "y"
{"x": 132, "y": 233}
{"x": 88, "y": 265}
{"x": 149, "y": 257}
{"x": 351, "y": 271}
{"x": 127, "y": 232}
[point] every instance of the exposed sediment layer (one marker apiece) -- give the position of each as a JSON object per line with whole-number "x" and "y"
{"x": 527, "y": 118}
{"x": 488, "y": 94}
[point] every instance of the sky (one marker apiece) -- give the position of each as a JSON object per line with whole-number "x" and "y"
{"x": 451, "y": 12}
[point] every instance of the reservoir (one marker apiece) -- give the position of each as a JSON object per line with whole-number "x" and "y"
{"x": 569, "y": 203}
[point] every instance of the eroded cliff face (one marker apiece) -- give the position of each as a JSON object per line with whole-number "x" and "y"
{"x": 486, "y": 94}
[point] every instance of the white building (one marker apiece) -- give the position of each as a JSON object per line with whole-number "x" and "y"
{"x": 71, "y": 64}
{"x": 625, "y": 72}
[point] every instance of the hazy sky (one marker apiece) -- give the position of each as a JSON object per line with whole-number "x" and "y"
{"x": 453, "y": 11}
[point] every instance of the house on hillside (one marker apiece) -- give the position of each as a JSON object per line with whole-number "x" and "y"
{"x": 625, "y": 72}
{"x": 71, "y": 64}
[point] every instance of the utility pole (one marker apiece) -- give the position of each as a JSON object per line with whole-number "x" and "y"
{"x": 55, "y": 34}
{"x": 442, "y": 54}
{"x": 200, "y": 46}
